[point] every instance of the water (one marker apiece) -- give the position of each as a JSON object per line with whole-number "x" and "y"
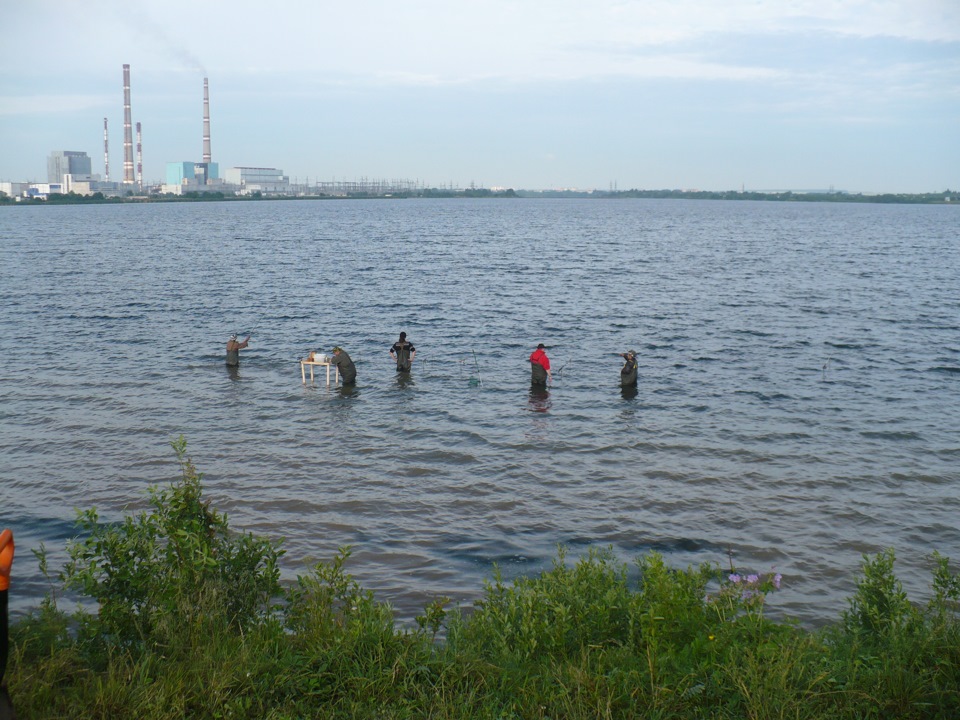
{"x": 799, "y": 400}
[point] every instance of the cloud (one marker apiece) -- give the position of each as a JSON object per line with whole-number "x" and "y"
{"x": 679, "y": 69}
{"x": 52, "y": 104}
{"x": 432, "y": 42}
{"x": 139, "y": 22}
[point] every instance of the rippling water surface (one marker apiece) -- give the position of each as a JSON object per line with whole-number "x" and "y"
{"x": 799, "y": 401}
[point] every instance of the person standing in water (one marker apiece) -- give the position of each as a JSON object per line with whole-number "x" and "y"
{"x": 403, "y": 353}
{"x": 234, "y": 348}
{"x": 628, "y": 373}
{"x": 540, "y": 366}
{"x": 345, "y": 366}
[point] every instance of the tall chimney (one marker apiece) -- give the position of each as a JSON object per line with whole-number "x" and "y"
{"x": 106, "y": 153}
{"x": 139, "y": 160}
{"x": 206, "y": 122}
{"x": 128, "y": 178}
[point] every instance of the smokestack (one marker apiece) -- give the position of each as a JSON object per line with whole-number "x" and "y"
{"x": 206, "y": 122}
{"x": 128, "y": 178}
{"x": 106, "y": 153}
{"x": 139, "y": 160}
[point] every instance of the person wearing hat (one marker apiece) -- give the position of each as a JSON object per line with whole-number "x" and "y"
{"x": 540, "y": 366}
{"x": 403, "y": 353}
{"x": 345, "y": 366}
{"x": 234, "y": 348}
{"x": 628, "y": 373}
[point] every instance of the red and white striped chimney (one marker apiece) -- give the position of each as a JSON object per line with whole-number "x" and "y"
{"x": 128, "y": 178}
{"x": 106, "y": 153}
{"x": 139, "y": 160}
{"x": 206, "y": 123}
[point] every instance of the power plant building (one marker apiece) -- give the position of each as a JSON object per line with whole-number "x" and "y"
{"x": 249, "y": 180}
{"x": 177, "y": 172}
{"x": 192, "y": 177}
{"x": 186, "y": 173}
{"x": 68, "y": 162}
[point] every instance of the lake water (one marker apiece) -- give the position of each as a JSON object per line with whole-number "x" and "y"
{"x": 798, "y": 405}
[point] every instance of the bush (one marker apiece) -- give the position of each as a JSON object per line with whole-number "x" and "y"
{"x": 165, "y": 574}
{"x": 890, "y": 658}
{"x": 192, "y": 622}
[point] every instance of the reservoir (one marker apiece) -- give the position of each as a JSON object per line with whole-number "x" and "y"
{"x": 798, "y": 401}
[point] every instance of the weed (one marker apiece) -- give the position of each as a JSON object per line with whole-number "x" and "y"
{"x": 191, "y": 622}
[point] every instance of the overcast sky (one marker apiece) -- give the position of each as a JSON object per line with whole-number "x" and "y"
{"x": 858, "y": 95}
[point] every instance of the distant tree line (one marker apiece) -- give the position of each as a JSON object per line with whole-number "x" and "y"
{"x": 788, "y": 196}
{"x": 947, "y": 196}
{"x": 470, "y": 193}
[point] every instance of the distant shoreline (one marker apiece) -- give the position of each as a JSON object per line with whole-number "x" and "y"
{"x": 947, "y": 197}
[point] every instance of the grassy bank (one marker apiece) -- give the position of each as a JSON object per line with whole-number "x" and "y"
{"x": 192, "y": 622}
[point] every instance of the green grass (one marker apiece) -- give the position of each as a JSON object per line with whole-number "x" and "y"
{"x": 193, "y": 622}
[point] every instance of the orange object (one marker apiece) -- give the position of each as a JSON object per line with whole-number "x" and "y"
{"x": 6, "y": 558}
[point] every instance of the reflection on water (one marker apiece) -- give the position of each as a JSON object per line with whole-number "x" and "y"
{"x": 539, "y": 403}
{"x": 539, "y": 400}
{"x": 405, "y": 379}
{"x": 349, "y": 391}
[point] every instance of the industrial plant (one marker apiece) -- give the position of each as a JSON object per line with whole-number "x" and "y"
{"x": 70, "y": 171}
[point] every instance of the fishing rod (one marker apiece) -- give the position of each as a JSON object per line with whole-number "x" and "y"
{"x": 477, "y": 365}
{"x": 249, "y": 333}
{"x": 423, "y": 365}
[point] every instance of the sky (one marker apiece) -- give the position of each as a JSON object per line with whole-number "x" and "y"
{"x": 854, "y": 95}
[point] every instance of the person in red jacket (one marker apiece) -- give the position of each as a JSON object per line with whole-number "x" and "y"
{"x": 540, "y": 366}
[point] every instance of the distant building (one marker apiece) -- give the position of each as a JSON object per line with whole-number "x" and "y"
{"x": 85, "y": 186}
{"x": 192, "y": 177}
{"x": 14, "y": 189}
{"x": 206, "y": 173}
{"x": 177, "y": 171}
{"x": 40, "y": 191}
{"x": 68, "y": 162}
{"x": 248, "y": 180}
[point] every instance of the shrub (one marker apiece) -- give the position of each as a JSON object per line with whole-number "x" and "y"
{"x": 185, "y": 628}
{"x": 166, "y": 573}
{"x": 891, "y": 658}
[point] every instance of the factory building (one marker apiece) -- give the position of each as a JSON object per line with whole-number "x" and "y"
{"x": 86, "y": 186}
{"x": 180, "y": 173}
{"x": 192, "y": 177}
{"x": 13, "y": 189}
{"x": 196, "y": 176}
{"x": 70, "y": 171}
{"x": 177, "y": 172}
{"x": 68, "y": 162}
{"x": 249, "y": 180}
{"x": 41, "y": 191}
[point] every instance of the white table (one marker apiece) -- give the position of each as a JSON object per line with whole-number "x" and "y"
{"x": 304, "y": 364}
